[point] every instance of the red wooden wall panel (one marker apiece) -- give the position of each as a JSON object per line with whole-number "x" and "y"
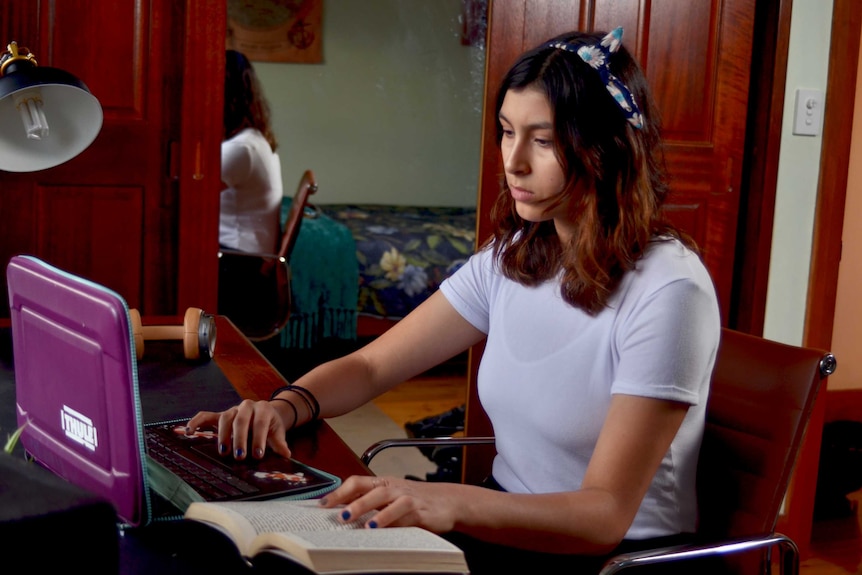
{"x": 138, "y": 210}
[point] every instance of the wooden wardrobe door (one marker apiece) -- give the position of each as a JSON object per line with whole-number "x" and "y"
{"x": 114, "y": 213}
{"x": 703, "y": 100}
{"x": 697, "y": 58}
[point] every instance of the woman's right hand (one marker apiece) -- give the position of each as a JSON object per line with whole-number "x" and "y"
{"x": 250, "y": 426}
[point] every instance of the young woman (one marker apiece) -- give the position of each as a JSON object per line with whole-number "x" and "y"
{"x": 250, "y": 167}
{"x": 602, "y": 327}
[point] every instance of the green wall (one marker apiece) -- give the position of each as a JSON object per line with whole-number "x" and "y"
{"x": 392, "y": 115}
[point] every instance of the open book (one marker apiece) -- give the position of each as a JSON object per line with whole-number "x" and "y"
{"x": 314, "y": 537}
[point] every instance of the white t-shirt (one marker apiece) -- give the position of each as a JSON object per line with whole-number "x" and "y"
{"x": 251, "y": 204}
{"x": 549, "y": 369}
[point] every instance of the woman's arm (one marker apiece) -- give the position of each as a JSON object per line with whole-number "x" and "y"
{"x": 432, "y": 333}
{"x": 592, "y": 520}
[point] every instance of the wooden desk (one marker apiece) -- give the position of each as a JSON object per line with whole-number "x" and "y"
{"x": 184, "y": 548}
{"x": 248, "y": 371}
{"x": 254, "y": 377}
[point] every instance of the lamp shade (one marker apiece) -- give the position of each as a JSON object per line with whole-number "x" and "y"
{"x": 71, "y": 116}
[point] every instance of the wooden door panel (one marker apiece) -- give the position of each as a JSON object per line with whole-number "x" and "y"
{"x": 105, "y": 46}
{"x": 109, "y": 214}
{"x": 696, "y": 56}
{"x": 698, "y": 70}
{"x": 608, "y": 14}
{"x": 679, "y": 62}
{"x": 542, "y": 20}
{"x": 104, "y": 216}
{"x": 156, "y": 66}
{"x": 703, "y": 98}
{"x": 18, "y": 214}
{"x": 125, "y": 68}
{"x": 690, "y": 216}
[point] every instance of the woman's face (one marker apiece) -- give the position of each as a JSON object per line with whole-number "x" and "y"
{"x": 533, "y": 172}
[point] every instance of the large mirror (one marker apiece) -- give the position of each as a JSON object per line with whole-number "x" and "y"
{"x": 392, "y": 112}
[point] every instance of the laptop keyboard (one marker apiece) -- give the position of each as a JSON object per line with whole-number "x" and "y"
{"x": 209, "y": 479}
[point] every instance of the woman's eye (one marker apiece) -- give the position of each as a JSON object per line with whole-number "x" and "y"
{"x": 508, "y": 133}
{"x": 543, "y": 143}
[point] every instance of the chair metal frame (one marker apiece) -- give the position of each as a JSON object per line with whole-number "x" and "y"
{"x": 274, "y": 267}
{"x": 748, "y": 371}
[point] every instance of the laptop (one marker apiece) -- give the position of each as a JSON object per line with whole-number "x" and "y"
{"x": 77, "y": 396}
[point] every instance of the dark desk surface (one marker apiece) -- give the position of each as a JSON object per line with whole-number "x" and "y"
{"x": 171, "y": 387}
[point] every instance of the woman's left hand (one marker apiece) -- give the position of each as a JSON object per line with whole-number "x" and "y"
{"x": 401, "y": 502}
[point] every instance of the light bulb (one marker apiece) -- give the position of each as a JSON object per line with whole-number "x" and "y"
{"x": 29, "y": 104}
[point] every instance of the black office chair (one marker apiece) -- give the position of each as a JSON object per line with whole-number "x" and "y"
{"x": 760, "y": 401}
{"x": 254, "y": 288}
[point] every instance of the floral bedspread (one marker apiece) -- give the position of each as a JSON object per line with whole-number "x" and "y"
{"x": 404, "y": 252}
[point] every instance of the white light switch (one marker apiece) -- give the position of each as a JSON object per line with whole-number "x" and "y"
{"x": 809, "y": 112}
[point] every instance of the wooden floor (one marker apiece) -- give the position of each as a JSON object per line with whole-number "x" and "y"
{"x": 423, "y": 397}
{"x": 836, "y": 547}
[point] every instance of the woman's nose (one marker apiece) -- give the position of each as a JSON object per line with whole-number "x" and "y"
{"x": 514, "y": 159}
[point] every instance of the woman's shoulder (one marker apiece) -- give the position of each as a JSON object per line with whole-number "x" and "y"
{"x": 669, "y": 276}
{"x": 667, "y": 259}
{"x": 247, "y": 143}
{"x": 245, "y": 136}
{"x": 669, "y": 249}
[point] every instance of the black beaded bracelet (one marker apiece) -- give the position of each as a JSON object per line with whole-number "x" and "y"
{"x": 307, "y": 403}
{"x": 305, "y": 400}
{"x": 308, "y": 397}
{"x": 293, "y": 407}
{"x": 302, "y": 397}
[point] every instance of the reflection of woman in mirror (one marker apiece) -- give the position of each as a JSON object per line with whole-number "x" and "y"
{"x": 250, "y": 167}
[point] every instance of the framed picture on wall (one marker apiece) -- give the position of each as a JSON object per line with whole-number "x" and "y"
{"x": 276, "y": 30}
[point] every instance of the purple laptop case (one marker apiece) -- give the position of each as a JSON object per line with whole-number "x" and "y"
{"x": 76, "y": 383}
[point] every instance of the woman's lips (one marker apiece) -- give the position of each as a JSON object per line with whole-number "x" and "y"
{"x": 520, "y": 194}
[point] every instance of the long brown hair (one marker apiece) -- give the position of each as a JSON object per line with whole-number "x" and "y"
{"x": 615, "y": 178}
{"x": 244, "y": 103}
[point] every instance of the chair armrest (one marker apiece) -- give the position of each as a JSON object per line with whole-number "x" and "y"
{"x": 789, "y": 559}
{"x": 268, "y": 261}
{"x": 233, "y": 252}
{"x": 376, "y": 448}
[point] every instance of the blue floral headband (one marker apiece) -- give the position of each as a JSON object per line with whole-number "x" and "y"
{"x": 598, "y": 56}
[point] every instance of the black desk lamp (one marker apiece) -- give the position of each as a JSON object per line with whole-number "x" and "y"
{"x": 47, "y": 115}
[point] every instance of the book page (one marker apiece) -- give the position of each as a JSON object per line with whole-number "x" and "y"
{"x": 233, "y": 524}
{"x": 318, "y": 539}
{"x": 401, "y": 538}
{"x": 275, "y": 515}
{"x": 393, "y": 549}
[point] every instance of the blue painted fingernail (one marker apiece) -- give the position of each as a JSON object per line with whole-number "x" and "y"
{"x": 222, "y": 448}
{"x": 345, "y": 514}
{"x": 188, "y": 430}
{"x": 322, "y": 502}
{"x": 258, "y": 452}
{"x": 238, "y": 452}
{"x": 372, "y": 524}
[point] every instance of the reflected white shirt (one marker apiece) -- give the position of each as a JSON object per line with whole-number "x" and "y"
{"x": 251, "y": 204}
